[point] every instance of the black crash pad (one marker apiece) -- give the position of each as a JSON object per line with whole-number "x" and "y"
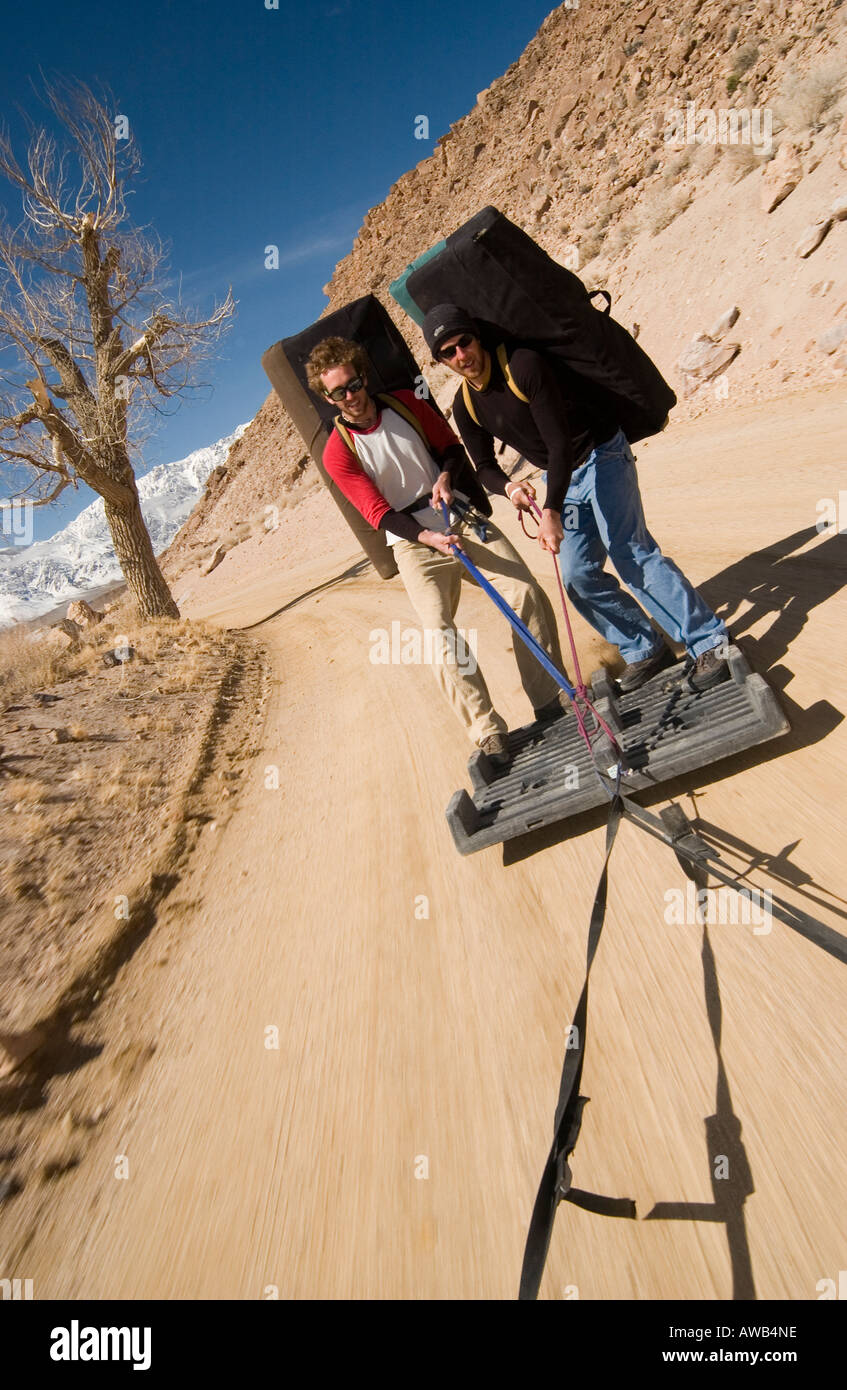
{"x": 664, "y": 729}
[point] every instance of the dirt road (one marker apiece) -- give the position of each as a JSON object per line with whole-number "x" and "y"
{"x": 390, "y": 1145}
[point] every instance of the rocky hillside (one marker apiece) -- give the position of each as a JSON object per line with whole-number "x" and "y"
{"x": 727, "y": 253}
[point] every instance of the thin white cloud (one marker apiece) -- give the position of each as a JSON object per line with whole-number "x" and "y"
{"x": 307, "y": 249}
{"x": 213, "y": 279}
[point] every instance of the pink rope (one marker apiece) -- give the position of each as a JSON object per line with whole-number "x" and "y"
{"x": 579, "y": 684}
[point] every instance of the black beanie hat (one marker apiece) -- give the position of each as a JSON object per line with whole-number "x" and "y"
{"x": 444, "y": 321}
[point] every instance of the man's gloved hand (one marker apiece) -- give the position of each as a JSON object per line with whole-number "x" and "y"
{"x": 520, "y": 495}
{"x": 550, "y": 533}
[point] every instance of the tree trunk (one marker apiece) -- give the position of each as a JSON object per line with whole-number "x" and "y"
{"x": 134, "y": 551}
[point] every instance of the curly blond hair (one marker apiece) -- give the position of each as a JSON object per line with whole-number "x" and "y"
{"x": 333, "y": 352}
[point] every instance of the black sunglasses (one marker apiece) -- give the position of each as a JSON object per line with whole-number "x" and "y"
{"x": 349, "y": 389}
{"x": 463, "y": 342}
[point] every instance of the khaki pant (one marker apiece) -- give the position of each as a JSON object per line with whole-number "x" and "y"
{"x": 433, "y": 582}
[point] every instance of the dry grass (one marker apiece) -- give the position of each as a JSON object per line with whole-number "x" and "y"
{"x": 20, "y": 882}
{"x": 33, "y": 808}
{"x": 589, "y": 244}
{"x": 84, "y": 773}
{"x": 805, "y": 101}
{"x": 704, "y": 158}
{"x": 26, "y": 790}
{"x": 742, "y": 160}
{"x": 32, "y": 825}
{"x": 61, "y": 816}
{"x": 184, "y": 679}
{"x": 195, "y": 639}
{"x": 622, "y": 236}
{"x": 61, "y": 889}
{"x": 26, "y": 665}
{"x": 146, "y": 781}
{"x": 118, "y": 786}
{"x": 127, "y": 787}
{"x": 155, "y": 640}
{"x": 665, "y": 207}
{"x": 744, "y": 58}
{"x": 98, "y": 809}
{"x": 676, "y": 167}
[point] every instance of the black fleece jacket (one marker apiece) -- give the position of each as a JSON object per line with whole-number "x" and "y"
{"x": 556, "y": 431}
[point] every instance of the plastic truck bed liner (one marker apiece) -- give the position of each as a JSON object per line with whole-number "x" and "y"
{"x": 664, "y": 728}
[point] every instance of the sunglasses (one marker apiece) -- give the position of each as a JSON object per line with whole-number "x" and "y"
{"x": 463, "y": 342}
{"x": 349, "y": 389}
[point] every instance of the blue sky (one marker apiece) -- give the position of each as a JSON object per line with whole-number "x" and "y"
{"x": 259, "y": 126}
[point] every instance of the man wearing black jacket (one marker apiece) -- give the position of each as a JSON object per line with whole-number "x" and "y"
{"x": 592, "y": 510}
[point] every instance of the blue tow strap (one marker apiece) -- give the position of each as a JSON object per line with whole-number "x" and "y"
{"x": 509, "y": 613}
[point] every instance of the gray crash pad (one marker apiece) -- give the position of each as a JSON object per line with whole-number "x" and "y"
{"x": 664, "y": 728}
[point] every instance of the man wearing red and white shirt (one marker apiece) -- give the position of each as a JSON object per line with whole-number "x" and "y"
{"x": 390, "y": 454}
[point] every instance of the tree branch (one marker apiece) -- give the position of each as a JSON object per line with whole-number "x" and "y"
{"x": 51, "y": 497}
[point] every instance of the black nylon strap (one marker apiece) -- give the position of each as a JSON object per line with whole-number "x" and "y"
{"x": 697, "y": 860}
{"x": 425, "y": 500}
{"x": 555, "y": 1185}
{"x": 458, "y": 504}
{"x": 601, "y": 1206}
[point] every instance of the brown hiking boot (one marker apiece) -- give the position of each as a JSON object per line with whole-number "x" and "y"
{"x": 633, "y": 676}
{"x": 709, "y": 669}
{"x": 496, "y": 748}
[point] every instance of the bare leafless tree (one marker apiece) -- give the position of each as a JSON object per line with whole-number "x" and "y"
{"x": 89, "y": 339}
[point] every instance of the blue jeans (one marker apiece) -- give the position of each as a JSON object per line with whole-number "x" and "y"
{"x": 603, "y": 516}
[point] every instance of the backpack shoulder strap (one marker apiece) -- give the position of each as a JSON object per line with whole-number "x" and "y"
{"x": 407, "y": 414}
{"x": 394, "y": 404}
{"x": 345, "y": 435}
{"x": 510, "y": 381}
{"x": 602, "y": 294}
{"x": 468, "y": 399}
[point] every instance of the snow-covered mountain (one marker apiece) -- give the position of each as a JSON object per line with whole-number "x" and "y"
{"x": 35, "y": 578}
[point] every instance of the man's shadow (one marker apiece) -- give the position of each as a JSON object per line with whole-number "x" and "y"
{"x": 776, "y": 580}
{"x": 778, "y": 866}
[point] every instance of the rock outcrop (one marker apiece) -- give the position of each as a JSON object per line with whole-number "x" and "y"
{"x": 781, "y": 177}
